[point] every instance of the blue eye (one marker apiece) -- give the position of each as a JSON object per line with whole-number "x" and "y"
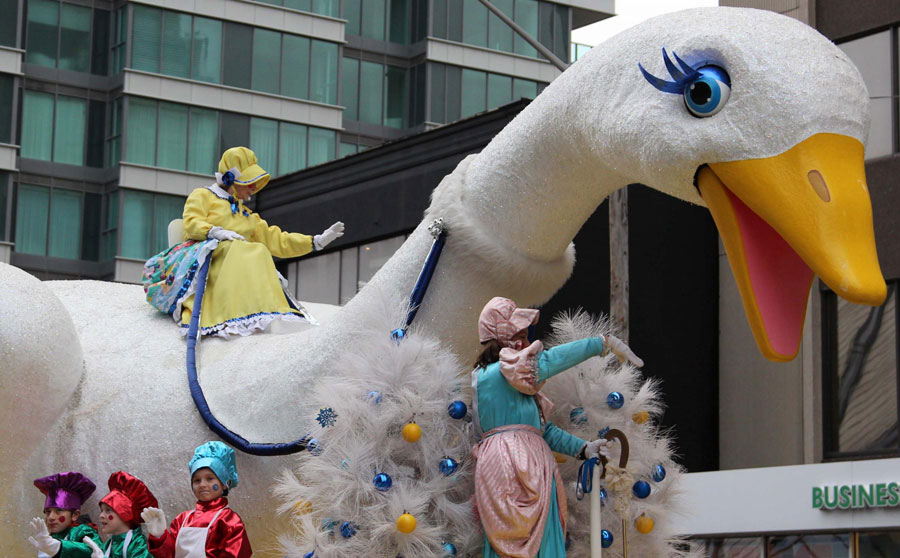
{"x": 706, "y": 94}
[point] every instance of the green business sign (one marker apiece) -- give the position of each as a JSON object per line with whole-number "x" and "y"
{"x": 856, "y": 496}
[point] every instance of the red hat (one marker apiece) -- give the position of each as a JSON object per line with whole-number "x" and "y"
{"x": 128, "y": 496}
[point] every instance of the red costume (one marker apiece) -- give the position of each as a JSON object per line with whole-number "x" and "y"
{"x": 226, "y": 538}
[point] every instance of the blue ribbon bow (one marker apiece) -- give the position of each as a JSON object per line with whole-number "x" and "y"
{"x": 228, "y": 179}
{"x": 234, "y": 204}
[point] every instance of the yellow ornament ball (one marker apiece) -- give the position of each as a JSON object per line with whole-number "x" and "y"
{"x": 302, "y": 507}
{"x": 406, "y": 523}
{"x": 644, "y": 524}
{"x": 412, "y": 432}
{"x": 640, "y": 417}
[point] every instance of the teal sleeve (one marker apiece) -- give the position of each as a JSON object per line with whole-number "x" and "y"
{"x": 138, "y": 547}
{"x": 73, "y": 547}
{"x": 561, "y": 441}
{"x": 553, "y": 361}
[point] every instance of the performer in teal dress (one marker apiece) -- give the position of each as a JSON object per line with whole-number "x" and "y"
{"x": 60, "y": 534}
{"x": 516, "y": 478}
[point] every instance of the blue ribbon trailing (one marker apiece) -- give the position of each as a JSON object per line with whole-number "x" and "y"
{"x": 200, "y": 400}
{"x": 585, "y": 479}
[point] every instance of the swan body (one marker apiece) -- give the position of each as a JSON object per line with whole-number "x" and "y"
{"x": 94, "y": 378}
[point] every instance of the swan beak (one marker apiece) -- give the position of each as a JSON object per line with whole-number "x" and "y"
{"x": 785, "y": 218}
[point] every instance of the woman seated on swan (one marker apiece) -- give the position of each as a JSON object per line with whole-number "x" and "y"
{"x": 244, "y": 292}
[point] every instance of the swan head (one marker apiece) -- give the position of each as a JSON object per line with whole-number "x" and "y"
{"x": 762, "y": 120}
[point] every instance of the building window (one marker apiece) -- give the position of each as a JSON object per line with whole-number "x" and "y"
{"x": 386, "y": 98}
{"x": 56, "y": 222}
{"x": 9, "y": 23}
{"x": 733, "y": 548}
{"x": 809, "y": 546}
{"x": 67, "y": 36}
{"x": 321, "y": 7}
{"x": 181, "y": 45}
{"x": 460, "y": 92}
{"x": 72, "y": 140}
{"x": 145, "y": 222}
{"x": 120, "y": 37}
{"x": 110, "y": 228}
{"x": 872, "y": 55}
{"x": 179, "y": 137}
{"x": 6, "y": 106}
{"x": 470, "y": 22}
{"x": 860, "y": 386}
{"x": 578, "y": 51}
{"x": 114, "y": 133}
{"x": 335, "y": 277}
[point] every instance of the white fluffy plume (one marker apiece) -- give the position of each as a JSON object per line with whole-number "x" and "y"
{"x": 417, "y": 379}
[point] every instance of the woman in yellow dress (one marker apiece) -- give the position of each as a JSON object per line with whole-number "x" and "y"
{"x": 244, "y": 292}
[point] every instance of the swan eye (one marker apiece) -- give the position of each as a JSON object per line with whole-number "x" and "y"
{"x": 708, "y": 92}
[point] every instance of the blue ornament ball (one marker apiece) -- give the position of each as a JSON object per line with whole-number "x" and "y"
{"x": 348, "y": 529}
{"x": 373, "y": 397}
{"x": 313, "y": 447}
{"x": 603, "y": 496}
{"x": 641, "y": 489}
{"x": 659, "y": 473}
{"x": 578, "y": 416}
{"x": 457, "y": 409}
{"x": 606, "y": 539}
{"x": 615, "y": 400}
{"x": 308, "y": 554}
{"x": 382, "y": 482}
{"x": 449, "y": 549}
{"x": 448, "y": 466}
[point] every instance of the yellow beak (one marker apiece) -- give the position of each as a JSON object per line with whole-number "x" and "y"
{"x": 786, "y": 217}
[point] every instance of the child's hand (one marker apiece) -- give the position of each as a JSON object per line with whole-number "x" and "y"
{"x": 95, "y": 550}
{"x": 155, "y": 520}
{"x": 42, "y": 539}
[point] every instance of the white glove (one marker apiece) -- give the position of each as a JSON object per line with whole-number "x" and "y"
{"x": 155, "y": 519}
{"x": 95, "y": 550}
{"x": 221, "y": 234}
{"x": 618, "y": 347}
{"x": 328, "y": 235}
{"x": 597, "y": 448}
{"x": 42, "y": 539}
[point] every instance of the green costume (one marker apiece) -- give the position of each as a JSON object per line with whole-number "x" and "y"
{"x": 134, "y": 540}
{"x": 71, "y": 540}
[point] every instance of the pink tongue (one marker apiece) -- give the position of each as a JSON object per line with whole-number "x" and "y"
{"x": 779, "y": 278}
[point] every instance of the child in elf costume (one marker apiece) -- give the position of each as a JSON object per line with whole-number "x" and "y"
{"x": 211, "y": 529}
{"x": 59, "y": 535}
{"x": 120, "y": 518}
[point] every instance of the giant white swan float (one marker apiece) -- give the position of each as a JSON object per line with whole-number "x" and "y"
{"x": 93, "y": 378}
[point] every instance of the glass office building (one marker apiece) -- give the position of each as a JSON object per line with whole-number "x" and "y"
{"x": 111, "y": 112}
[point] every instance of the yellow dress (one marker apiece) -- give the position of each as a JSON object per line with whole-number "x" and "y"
{"x": 244, "y": 291}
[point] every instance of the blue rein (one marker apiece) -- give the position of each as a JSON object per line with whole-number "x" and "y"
{"x": 197, "y": 392}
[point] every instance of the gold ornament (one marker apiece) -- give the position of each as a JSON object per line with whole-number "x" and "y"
{"x": 412, "y": 432}
{"x": 640, "y": 417}
{"x": 302, "y": 507}
{"x": 644, "y": 524}
{"x": 406, "y": 523}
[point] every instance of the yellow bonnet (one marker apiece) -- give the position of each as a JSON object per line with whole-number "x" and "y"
{"x": 244, "y": 160}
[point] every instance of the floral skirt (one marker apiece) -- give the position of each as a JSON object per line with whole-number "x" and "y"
{"x": 244, "y": 292}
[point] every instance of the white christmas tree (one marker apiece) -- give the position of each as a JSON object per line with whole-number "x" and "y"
{"x": 369, "y": 487}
